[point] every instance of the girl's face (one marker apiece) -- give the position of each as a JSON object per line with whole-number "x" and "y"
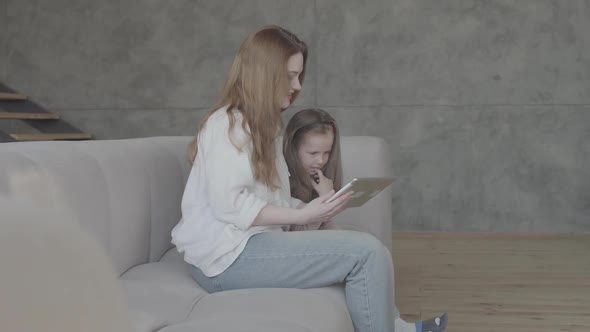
{"x": 314, "y": 150}
{"x": 294, "y": 69}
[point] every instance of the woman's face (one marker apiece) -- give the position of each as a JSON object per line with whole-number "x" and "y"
{"x": 314, "y": 151}
{"x": 294, "y": 69}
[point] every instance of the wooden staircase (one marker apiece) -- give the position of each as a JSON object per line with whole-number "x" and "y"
{"x": 17, "y": 107}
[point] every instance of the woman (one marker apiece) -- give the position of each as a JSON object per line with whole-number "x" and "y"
{"x": 237, "y": 202}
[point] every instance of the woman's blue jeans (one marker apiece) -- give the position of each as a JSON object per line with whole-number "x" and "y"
{"x": 311, "y": 259}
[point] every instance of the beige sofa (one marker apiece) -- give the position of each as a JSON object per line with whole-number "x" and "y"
{"x": 126, "y": 194}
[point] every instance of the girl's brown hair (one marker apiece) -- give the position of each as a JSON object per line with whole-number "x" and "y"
{"x": 256, "y": 87}
{"x": 314, "y": 121}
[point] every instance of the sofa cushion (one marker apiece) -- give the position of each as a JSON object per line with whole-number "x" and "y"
{"x": 160, "y": 294}
{"x": 272, "y": 309}
{"x": 163, "y": 295}
{"x": 125, "y": 193}
{"x": 233, "y": 325}
{"x": 54, "y": 277}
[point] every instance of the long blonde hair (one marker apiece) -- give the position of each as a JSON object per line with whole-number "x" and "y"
{"x": 256, "y": 86}
{"x": 303, "y": 122}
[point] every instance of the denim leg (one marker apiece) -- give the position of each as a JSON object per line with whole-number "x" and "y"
{"x": 314, "y": 259}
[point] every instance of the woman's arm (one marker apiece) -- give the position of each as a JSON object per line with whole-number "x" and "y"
{"x": 275, "y": 215}
{"x": 316, "y": 211}
{"x": 308, "y": 227}
{"x": 229, "y": 174}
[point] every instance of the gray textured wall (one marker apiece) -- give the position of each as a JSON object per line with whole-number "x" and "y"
{"x": 486, "y": 104}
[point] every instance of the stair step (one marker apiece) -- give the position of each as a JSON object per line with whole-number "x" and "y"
{"x": 51, "y": 137}
{"x": 17, "y": 108}
{"x": 12, "y": 96}
{"x": 29, "y": 116}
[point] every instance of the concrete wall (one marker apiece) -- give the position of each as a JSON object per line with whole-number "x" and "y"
{"x": 486, "y": 104}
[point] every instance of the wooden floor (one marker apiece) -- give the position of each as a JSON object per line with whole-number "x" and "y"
{"x": 495, "y": 282}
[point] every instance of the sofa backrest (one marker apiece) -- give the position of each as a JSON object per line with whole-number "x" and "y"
{"x": 127, "y": 193}
{"x": 368, "y": 156}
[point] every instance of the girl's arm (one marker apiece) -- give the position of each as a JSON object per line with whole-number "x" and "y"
{"x": 324, "y": 185}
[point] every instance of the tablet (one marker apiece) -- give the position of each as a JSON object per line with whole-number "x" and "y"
{"x": 364, "y": 189}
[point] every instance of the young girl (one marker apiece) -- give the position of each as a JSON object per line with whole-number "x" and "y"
{"x": 311, "y": 147}
{"x": 237, "y": 198}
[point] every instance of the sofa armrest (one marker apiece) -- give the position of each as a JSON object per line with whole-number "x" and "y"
{"x": 365, "y": 156}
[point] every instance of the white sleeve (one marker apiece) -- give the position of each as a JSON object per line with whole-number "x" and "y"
{"x": 230, "y": 178}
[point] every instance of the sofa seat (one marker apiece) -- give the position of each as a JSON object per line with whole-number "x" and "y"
{"x": 162, "y": 296}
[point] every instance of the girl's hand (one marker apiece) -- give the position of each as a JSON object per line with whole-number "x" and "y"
{"x": 324, "y": 185}
{"x": 320, "y": 211}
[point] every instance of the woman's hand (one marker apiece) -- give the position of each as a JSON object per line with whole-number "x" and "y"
{"x": 323, "y": 184}
{"x": 320, "y": 211}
